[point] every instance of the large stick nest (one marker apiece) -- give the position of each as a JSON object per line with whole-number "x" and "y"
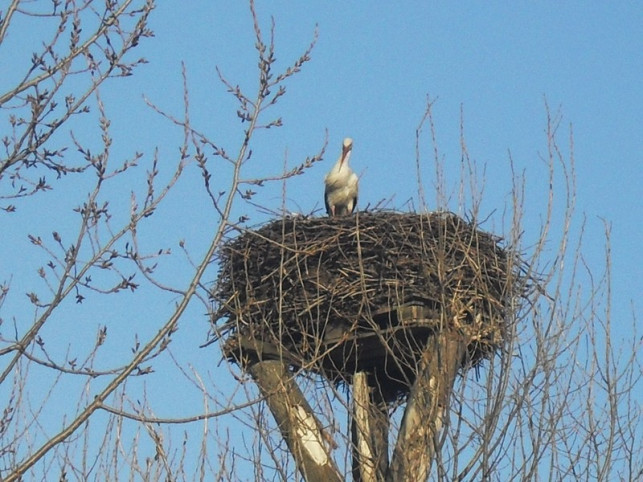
{"x": 364, "y": 293}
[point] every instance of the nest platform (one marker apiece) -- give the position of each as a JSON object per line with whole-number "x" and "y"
{"x": 335, "y": 296}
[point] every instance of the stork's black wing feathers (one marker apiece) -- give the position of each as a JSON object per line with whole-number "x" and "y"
{"x": 328, "y": 210}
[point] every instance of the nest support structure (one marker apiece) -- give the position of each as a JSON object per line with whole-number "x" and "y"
{"x": 365, "y": 294}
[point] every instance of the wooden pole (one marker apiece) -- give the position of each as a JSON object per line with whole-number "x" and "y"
{"x": 369, "y": 431}
{"x": 297, "y": 422}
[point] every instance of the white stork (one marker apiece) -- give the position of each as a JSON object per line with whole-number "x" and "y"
{"x": 341, "y": 184}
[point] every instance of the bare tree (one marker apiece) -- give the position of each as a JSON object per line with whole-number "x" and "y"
{"x": 558, "y": 400}
{"x": 91, "y": 43}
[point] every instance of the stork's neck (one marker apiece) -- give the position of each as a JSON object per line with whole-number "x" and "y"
{"x": 342, "y": 162}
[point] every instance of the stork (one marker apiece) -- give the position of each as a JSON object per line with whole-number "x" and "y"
{"x": 340, "y": 195}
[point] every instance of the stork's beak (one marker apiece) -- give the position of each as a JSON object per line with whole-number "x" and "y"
{"x": 345, "y": 151}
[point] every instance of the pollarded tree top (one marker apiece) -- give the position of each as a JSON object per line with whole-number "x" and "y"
{"x": 337, "y": 295}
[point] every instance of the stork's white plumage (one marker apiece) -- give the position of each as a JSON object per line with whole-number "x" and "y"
{"x": 341, "y": 184}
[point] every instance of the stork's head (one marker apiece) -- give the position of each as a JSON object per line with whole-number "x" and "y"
{"x": 346, "y": 147}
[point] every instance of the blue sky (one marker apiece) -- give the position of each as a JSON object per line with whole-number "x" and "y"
{"x": 372, "y": 67}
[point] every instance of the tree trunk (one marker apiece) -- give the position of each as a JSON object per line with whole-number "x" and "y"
{"x": 297, "y": 422}
{"x": 426, "y": 409}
